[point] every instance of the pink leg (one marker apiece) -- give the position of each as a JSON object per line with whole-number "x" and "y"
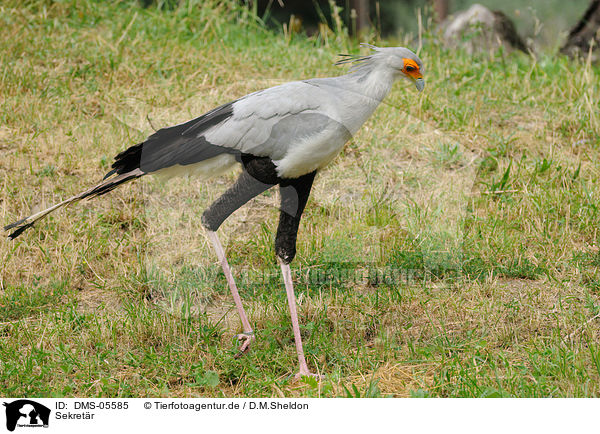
{"x": 289, "y": 289}
{"x": 248, "y": 336}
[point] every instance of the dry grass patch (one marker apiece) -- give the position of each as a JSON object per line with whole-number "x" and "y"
{"x": 480, "y": 194}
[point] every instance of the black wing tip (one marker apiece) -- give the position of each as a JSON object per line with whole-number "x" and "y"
{"x": 152, "y": 154}
{"x": 209, "y": 119}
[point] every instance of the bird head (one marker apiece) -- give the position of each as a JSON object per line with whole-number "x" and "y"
{"x": 404, "y": 64}
{"x": 400, "y": 61}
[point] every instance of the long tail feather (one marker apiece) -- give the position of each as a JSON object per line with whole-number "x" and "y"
{"x": 98, "y": 190}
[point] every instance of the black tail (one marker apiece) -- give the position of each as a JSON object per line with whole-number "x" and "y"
{"x": 98, "y": 190}
{"x": 181, "y": 144}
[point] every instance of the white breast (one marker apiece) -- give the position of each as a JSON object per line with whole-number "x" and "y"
{"x": 314, "y": 152}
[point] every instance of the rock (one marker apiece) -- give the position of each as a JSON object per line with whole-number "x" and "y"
{"x": 584, "y": 38}
{"x": 480, "y": 29}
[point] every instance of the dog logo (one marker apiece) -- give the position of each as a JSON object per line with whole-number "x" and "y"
{"x": 26, "y": 413}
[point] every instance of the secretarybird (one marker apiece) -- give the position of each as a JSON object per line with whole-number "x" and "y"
{"x": 280, "y": 136}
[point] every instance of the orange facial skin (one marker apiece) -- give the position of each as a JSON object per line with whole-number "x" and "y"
{"x": 411, "y": 69}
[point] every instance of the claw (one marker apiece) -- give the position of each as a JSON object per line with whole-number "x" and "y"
{"x": 301, "y": 374}
{"x": 246, "y": 339}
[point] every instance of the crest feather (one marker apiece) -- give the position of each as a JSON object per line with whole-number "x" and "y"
{"x": 356, "y": 59}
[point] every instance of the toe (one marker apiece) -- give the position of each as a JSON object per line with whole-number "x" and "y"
{"x": 300, "y": 375}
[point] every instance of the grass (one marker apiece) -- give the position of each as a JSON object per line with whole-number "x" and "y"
{"x": 451, "y": 250}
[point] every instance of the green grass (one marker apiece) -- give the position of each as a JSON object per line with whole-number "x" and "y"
{"x": 450, "y": 250}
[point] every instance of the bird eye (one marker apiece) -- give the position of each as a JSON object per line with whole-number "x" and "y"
{"x": 410, "y": 68}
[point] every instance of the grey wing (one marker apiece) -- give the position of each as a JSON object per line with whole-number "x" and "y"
{"x": 270, "y": 122}
{"x": 267, "y": 123}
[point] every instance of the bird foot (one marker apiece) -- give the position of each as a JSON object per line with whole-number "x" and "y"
{"x": 307, "y": 373}
{"x": 246, "y": 339}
